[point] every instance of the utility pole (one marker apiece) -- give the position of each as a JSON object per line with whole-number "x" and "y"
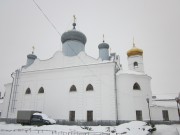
{"x": 178, "y": 102}
{"x": 147, "y": 99}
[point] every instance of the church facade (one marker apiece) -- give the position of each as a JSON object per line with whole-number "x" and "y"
{"x": 73, "y": 87}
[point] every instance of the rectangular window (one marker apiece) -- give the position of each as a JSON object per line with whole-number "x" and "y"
{"x": 72, "y": 116}
{"x": 89, "y": 115}
{"x": 139, "y": 115}
{"x": 165, "y": 115}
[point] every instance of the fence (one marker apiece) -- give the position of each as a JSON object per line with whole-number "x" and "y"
{"x": 49, "y": 132}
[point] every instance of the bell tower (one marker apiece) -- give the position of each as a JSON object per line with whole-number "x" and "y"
{"x": 135, "y": 59}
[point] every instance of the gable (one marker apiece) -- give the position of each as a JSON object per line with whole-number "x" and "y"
{"x": 60, "y": 61}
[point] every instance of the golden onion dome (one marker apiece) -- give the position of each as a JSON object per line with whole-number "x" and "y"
{"x": 134, "y": 51}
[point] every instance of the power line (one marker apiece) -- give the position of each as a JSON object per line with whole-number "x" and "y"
{"x": 47, "y": 18}
{"x": 59, "y": 33}
{"x": 60, "y": 36}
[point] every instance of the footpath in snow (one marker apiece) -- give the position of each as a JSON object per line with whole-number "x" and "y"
{"x": 131, "y": 128}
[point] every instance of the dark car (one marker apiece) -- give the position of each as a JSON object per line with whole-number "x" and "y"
{"x": 41, "y": 119}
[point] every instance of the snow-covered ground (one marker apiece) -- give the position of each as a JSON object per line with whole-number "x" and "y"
{"x": 131, "y": 128}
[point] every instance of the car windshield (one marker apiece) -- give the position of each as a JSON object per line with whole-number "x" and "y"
{"x": 36, "y": 117}
{"x": 40, "y": 115}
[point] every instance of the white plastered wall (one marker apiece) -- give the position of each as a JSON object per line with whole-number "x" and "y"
{"x": 57, "y": 101}
{"x": 130, "y": 100}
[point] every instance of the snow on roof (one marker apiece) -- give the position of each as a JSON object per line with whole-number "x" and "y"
{"x": 61, "y": 61}
{"x": 164, "y": 100}
{"x": 45, "y": 117}
{"x": 130, "y": 72}
{"x": 164, "y": 103}
{"x": 170, "y": 96}
{"x": 1, "y": 101}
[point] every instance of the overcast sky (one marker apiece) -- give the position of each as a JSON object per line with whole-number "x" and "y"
{"x": 155, "y": 25}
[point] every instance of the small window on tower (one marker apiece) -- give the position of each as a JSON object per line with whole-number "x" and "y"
{"x": 135, "y": 65}
{"x": 28, "y": 91}
{"x": 73, "y": 88}
{"x": 136, "y": 86}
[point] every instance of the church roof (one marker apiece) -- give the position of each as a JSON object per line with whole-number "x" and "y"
{"x": 130, "y": 72}
{"x": 134, "y": 51}
{"x": 164, "y": 103}
{"x": 73, "y": 35}
{"x": 103, "y": 45}
{"x": 60, "y": 61}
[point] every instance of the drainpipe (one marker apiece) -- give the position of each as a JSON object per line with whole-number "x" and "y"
{"x": 116, "y": 100}
{"x": 10, "y": 95}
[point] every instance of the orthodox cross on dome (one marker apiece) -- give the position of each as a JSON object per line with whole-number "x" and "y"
{"x": 103, "y": 38}
{"x": 33, "y": 48}
{"x": 133, "y": 42}
{"x": 74, "y": 22}
{"x": 74, "y": 17}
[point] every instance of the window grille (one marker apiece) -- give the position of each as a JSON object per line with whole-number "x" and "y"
{"x": 89, "y": 115}
{"x": 139, "y": 115}
{"x": 72, "y": 116}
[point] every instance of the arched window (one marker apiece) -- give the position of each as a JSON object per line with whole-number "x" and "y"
{"x": 28, "y": 91}
{"x": 89, "y": 87}
{"x": 73, "y": 88}
{"x": 136, "y": 86}
{"x": 41, "y": 90}
{"x": 135, "y": 65}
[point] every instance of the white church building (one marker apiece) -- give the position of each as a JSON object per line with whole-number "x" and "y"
{"x": 74, "y": 88}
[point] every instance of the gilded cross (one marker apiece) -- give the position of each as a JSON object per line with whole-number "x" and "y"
{"x": 133, "y": 42}
{"x": 74, "y": 18}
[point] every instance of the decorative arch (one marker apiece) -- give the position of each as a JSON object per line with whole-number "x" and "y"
{"x": 135, "y": 64}
{"x": 73, "y": 88}
{"x": 28, "y": 91}
{"x": 41, "y": 90}
{"x": 136, "y": 86}
{"x": 89, "y": 88}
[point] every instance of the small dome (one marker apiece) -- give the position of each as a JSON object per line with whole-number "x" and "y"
{"x": 103, "y": 45}
{"x": 73, "y": 35}
{"x": 135, "y": 51}
{"x": 31, "y": 56}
